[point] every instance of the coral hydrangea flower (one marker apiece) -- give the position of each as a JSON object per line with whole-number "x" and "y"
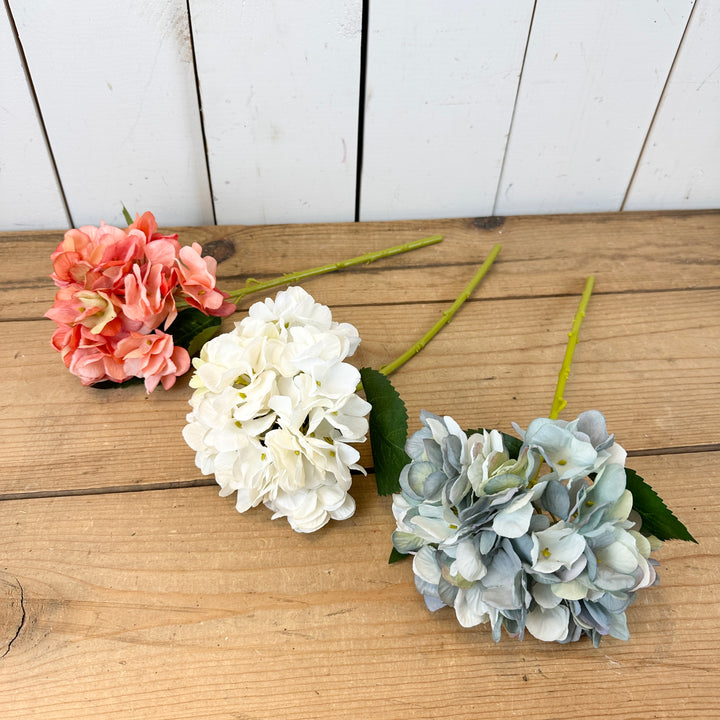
{"x": 118, "y": 286}
{"x": 153, "y": 357}
{"x": 197, "y": 279}
{"x": 275, "y": 414}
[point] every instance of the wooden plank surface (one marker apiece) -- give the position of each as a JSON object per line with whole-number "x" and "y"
{"x": 439, "y": 99}
{"x": 116, "y": 88}
{"x": 30, "y": 196}
{"x": 542, "y": 256}
{"x": 680, "y": 165}
{"x": 170, "y": 605}
{"x": 129, "y": 588}
{"x": 279, "y": 82}
{"x": 592, "y": 79}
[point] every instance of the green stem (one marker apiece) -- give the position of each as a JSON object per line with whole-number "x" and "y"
{"x": 253, "y": 286}
{"x": 446, "y": 316}
{"x": 559, "y": 401}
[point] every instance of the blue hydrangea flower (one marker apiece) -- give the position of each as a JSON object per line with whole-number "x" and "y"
{"x": 542, "y": 542}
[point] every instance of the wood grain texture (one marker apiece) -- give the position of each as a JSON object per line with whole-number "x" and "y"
{"x": 592, "y": 79}
{"x": 680, "y": 165}
{"x": 279, "y": 82}
{"x": 129, "y": 588}
{"x": 117, "y": 92}
{"x": 170, "y": 605}
{"x": 440, "y": 93}
{"x": 663, "y": 349}
{"x": 542, "y": 256}
{"x": 30, "y": 197}
{"x": 280, "y": 85}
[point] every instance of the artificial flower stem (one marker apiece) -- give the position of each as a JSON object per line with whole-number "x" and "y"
{"x": 253, "y": 286}
{"x": 446, "y": 316}
{"x": 559, "y": 401}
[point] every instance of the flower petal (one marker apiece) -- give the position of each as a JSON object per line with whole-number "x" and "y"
{"x": 548, "y": 624}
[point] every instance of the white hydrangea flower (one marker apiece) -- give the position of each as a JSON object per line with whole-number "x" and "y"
{"x": 274, "y": 411}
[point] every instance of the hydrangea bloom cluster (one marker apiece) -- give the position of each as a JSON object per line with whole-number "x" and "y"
{"x": 538, "y": 540}
{"x": 116, "y": 288}
{"x": 274, "y": 409}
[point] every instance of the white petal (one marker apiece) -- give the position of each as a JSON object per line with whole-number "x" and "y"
{"x": 550, "y": 625}
{"x": 425, "y": 565}
{"x": 246, "y": 499}
{"x": 617, "y": 454}
{"x": 558, "y": 546}
{"x": 622, "y": 508}
{"x": 331, "y": 496}
{"x": 468, "y": 561}
{"x": 544, "y": 596}
{"x": 469, "y": 607}
{"x": 643, "y": 544}
{"x": 571, "y": 590}
{"x": 618, "y": 557}
{"x": 513, "y": 521}
{"x": 435, "y": 528}
{"x": 648, "y": 576}
{"x": 345, "y": 511}
{"x": 194, "y": 435}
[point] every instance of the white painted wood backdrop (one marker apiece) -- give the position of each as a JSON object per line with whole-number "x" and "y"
{"x": 254, "y": 111}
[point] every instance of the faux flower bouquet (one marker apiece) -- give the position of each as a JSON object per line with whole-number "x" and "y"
{"x": 116, "y": 289}
{"x": 547, "y": 532}
{"x": 275, "y": 410}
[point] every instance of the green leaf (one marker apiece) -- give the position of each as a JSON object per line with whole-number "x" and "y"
{"x": 192, "y": 328}
{"x": 388, "y": 430}
{"x": 512, "y": 444}
{"x": 201, "y": 338}
{"x": 396, "y": 556}
{"x": 657, "y": 518}
{"x": 128, "y": 217}
{"x": 111, "y": 384}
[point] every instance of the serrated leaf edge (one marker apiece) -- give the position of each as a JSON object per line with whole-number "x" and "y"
{"x": 376, "y": 435}
{"x": 663, "y": 511}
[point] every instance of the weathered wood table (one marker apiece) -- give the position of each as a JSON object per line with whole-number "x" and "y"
{"x": 129, "y": 588}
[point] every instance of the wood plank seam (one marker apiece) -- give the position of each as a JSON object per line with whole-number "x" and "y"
{"x": 109, "y": 490}
{"x": 512, "y": 116}
{"x": 362, "y": 90}
{"x": 38, "y": 113}
{"x": 657, "y": 110}
{"x": 210, "y": 482}
{"x": 201, "y": 117}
